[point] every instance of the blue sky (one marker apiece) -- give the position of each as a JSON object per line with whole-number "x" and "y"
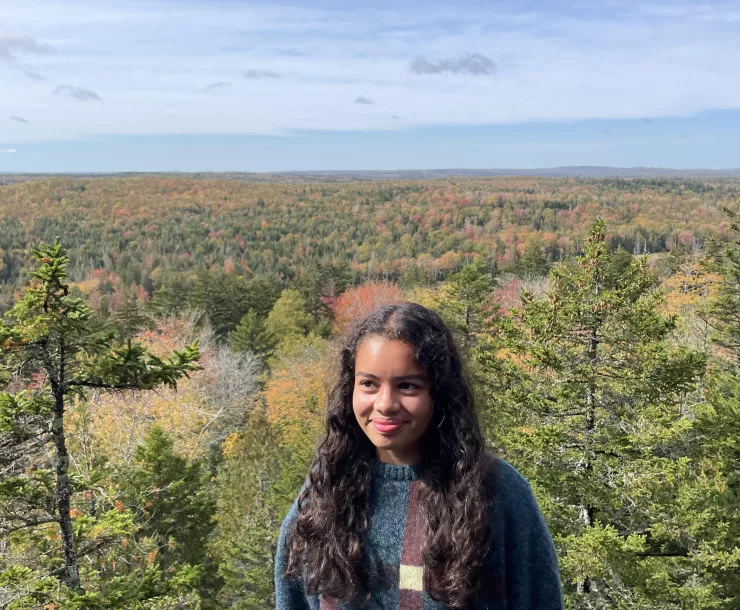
{"x": 248, "y": 86}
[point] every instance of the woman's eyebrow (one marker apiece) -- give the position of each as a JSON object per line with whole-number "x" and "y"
{"x": 399, "y": 378}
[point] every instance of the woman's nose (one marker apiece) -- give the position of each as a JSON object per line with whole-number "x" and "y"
{"x": 386, "y": 400}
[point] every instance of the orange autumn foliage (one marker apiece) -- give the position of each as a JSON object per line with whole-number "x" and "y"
{"x": 356, "y": 303}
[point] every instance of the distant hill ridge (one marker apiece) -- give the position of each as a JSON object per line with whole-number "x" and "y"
{"x": 573, "y": 171}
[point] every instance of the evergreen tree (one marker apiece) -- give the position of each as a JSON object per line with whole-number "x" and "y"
{"x": 261, "y": 294}
{"x": 130, "y": 317}
{"x": 594, "y": 414}
{"x": 711, "y": 504}
{"x": 533, "y": 262}
{"x": 218, "y": 296}
{"x": 289, "y": 318}
{"x": 254, "y": 496}
{"x": 679, "y": 256}
{"x": 466, "y": 302}
{"x": 618, "y": 264}
{"x": 171, "y": 500}
{"x": 725, "y": 311}
{"x": 318, "y": 284}
{"x": 103, "y": 309}
{"x": 226, "y": 298}
{"x": 170, "y": 298}
{"x": 51, "y": 350}
{"x": 718, "y": 429}
{"x": 251, "y": 335}
{"x": 414, "y": 276}
{"x": 467, "y": 305}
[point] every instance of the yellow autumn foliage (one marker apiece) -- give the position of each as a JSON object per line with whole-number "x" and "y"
{"x": 120, "y": 422}
{"x": 689, "y": 294}
{"x": 691, "y": 288}
{"x": 230, "y": 445}
{"x": 189, "y": 415}
{"x": 86, "y": 286}
{"x": 296, "y": 397}
{"x": 427, "y": 297}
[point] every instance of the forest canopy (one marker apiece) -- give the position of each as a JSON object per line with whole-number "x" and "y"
{"x": 164, "y": 368}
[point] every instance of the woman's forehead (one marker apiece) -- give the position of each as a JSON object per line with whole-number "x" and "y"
{"x": 386, "y": 355}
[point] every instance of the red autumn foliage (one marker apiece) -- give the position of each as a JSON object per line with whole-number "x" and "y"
{"x": 356, "y": 303}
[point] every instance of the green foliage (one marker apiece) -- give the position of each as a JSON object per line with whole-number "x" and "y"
{"x": 415, "y": 276}
{"x": 257, "y": 484}
{"x": 617, "y": 266}
{"x": 317, "y": 282}
{"x": 262, "y": 293}
{"x": 223, "y": 298}
{"x": 171, "y": 297}
{"x": 679, "y": 256}
{"x": 726, "y": 309}
{"x": 251, "y": 335}
{"x": 130, "y": 316}
{"x": 289, "y": 318}
{"x": 595, "y": 414}
{"x": 717, "y": 499}
{"x": 133, "y": 367}
{"x": 533, "y": 262}
{"x": 466, "y": 302}
{"x": 169, "y": 495}
{"x": 53, "y": 348}
{"x": 633, "y": 456}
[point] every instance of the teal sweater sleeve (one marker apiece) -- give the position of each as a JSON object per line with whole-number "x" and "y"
{"x": 289, "y": 594}
{"x": 532, "y": 576}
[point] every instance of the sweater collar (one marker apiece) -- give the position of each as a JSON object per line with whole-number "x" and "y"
{"x": 396, "y": 472}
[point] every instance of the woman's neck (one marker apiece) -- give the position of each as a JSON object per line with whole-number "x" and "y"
{"x": 409, "y": 457}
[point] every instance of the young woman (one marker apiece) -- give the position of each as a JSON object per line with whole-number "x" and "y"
{"x": 403, "y": 508}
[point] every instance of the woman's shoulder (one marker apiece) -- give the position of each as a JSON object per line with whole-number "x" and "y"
{"x": 523, "y": 550}
{"x": 292, "y": 514}
{"x": 506, "y": 485}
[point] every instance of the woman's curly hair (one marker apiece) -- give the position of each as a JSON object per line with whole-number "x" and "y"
{"x": 325, "y": 546}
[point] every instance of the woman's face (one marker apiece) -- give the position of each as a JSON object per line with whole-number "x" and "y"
{"x": 391, "y": 399}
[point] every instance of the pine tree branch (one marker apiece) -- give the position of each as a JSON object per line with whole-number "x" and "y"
{"x": 681, "y": 553}
{"x": 24, "y": 525}
{"x": 566, "y": 414}
{"x": 89, "y": 383}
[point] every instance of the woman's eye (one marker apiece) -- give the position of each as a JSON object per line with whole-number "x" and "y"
{"x": 409, "y": 385}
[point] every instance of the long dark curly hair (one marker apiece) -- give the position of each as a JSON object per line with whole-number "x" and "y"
{"x": 325, "y": 544}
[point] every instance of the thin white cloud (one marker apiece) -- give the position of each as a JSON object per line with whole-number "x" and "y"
{"x": 364, "y": 100}
{"x": 476, "y": 64}
{"x": 13, "y": 46}
{"x": 218, "y": 85}
{"x": 78, "y": 93}
{"x": 440, "y": 65}
{"x": 8, "y": 150}
{"x": 32, "y": 74}
{"x": 256, "y": 74}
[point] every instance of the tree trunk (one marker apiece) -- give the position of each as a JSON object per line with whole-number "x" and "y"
{"x": 587, "y": 509}
{"x": 63, "y": 493}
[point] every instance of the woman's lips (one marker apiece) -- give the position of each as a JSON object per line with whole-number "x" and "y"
{"x": 387, "y": 427}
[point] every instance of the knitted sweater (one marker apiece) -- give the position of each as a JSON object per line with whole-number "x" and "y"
{"x": 520, "y": 571}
